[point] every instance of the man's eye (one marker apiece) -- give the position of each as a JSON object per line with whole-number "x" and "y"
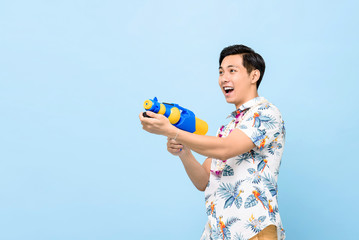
{"x": 233, "y": 70}
{"x": 220, "y": 72}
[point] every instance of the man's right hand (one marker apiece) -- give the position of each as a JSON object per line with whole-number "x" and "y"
{"x": 199, "y": 174}
{"x": 175, "y": 147}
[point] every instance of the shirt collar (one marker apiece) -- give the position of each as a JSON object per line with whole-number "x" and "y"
{"x": 246, "y": 106}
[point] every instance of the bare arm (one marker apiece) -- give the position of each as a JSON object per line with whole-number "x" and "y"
{"x": 199, "y": 174}
{"x": 236, "y": 143}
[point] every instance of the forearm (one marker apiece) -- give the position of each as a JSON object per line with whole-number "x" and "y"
{"x": 195, "y": 171}
{"x": 208, "y": 146}
{"x": 236, "y": 143}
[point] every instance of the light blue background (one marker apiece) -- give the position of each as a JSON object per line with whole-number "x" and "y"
{"x": 74, "y": 160}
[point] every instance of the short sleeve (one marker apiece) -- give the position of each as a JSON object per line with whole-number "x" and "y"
{"x": 262, "y": 124}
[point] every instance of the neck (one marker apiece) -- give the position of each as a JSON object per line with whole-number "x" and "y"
{"x": 247, "y": 98}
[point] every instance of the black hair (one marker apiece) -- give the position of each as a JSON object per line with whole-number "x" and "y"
{"x": 251, "y": 59}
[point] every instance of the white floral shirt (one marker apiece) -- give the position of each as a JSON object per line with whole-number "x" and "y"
{"x": 241, "y": 195}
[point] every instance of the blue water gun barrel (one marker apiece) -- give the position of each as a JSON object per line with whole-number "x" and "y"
{"x": 180, "y": 117}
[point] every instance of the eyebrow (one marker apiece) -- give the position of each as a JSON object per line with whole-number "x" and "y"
{"x": 229, "y": 66}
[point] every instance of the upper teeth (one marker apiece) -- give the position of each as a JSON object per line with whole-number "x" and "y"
{"x": 228, "y": 88}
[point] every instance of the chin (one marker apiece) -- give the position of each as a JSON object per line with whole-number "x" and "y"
{"x": 230, "y": 100}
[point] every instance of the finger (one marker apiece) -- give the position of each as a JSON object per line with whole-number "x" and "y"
{"x": 174, "y": 141}
{"x": 142, "y": 118}
{"x": 152, "y": 114}
{"x": 168, "y": 144}
{"x": 175, "y": 150}
{"x": 176, "y": 146}
{"x": 147, "y": 120}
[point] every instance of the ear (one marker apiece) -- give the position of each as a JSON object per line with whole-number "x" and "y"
{"x": 255, "y": 74}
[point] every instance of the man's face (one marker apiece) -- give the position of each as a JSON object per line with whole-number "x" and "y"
{"x": 234, "y": 80}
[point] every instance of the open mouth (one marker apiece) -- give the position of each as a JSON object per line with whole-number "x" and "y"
{"x": 228, "y": 89}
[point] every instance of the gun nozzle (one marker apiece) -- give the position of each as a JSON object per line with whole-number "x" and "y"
{"x": 147, "y": 104}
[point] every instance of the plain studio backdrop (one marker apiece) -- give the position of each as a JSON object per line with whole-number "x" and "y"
{"x": 74, "y": 160}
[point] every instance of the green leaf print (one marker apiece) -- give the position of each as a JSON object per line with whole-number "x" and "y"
{"x": 229, "y": 202}
{"x": 251, "y": 201}
{"x": 228, "y": 171}
{"x": 231, "y": 194}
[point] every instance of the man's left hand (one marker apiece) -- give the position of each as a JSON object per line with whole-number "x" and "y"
{"x": 156, "y": 124}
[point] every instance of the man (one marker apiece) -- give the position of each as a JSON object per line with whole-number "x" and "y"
{"x": 239, "y": 176}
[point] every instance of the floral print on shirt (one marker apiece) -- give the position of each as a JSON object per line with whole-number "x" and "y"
{"x": 241, "y": 195}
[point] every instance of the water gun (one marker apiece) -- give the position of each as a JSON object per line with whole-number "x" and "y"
{"x": 180, "y": 117}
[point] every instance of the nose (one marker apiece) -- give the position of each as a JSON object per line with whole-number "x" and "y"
{"x": 223, "y": 79}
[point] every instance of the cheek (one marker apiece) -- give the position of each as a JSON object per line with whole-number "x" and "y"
{"x": 243, "y": 83}
{"x": 239, "y": 85}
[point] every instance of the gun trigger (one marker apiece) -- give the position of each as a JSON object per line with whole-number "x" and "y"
{"x": 145, "y": 115}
